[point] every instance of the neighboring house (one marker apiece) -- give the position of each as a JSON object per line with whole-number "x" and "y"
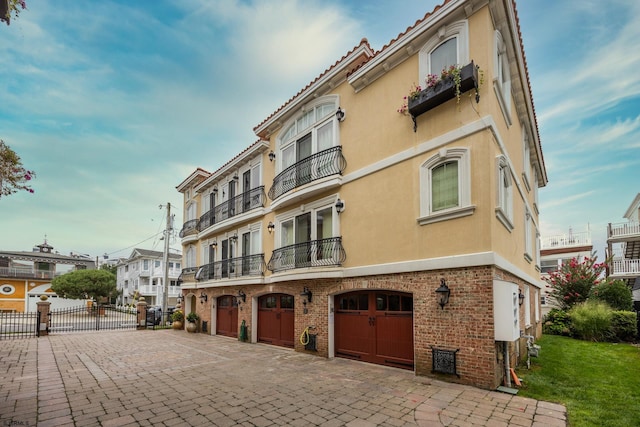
{"x": 25, "y": 276}
{"x": 352, "y": 230}
{"x": 623, "y": 244}
{"x": 560, "y": 249}
{"x": 141, "y": 275}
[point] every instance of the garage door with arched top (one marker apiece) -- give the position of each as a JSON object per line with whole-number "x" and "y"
{"x": 275, "y": 319}
{"x": 375, "y": 327}
{"x": 227, "y": 316}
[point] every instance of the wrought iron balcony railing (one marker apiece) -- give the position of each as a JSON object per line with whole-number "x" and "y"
{"x": 314, "y": 253}
{"x": 188, "y": 228}
{"x": 320, "y": 165}
{"x": 251, "y": 265}
{"x": 242, "y": 203}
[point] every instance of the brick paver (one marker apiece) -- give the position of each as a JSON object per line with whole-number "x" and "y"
{"x": 172, "y": 378}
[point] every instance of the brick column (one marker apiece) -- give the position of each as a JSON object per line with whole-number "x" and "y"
{"x": 44, "y": 307}
{"x": 142, "y": 313}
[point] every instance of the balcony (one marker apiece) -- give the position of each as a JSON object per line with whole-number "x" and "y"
{"x": 320, "y": 165}
{"x": 571, "y": 240}
{"x": 189, "y": 228}
{"x": 443, "y": 91}
{"x": 249, "y": 200}
{"x": 626, "y": 231}
{"x": 314, "y": 253}
{"x": 27, "y": 272}
{"x": 251, "y": 265}
{"x": 624, "y": 268}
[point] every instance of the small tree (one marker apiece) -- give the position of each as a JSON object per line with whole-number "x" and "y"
{"x": 85, "y": 284}
{"x": 9, "y": 7}
{"x": 573, "y": 282}
{"x": 13, "y": 176}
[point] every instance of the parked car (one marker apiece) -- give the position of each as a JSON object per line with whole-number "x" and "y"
{"x": 154, "y": 315}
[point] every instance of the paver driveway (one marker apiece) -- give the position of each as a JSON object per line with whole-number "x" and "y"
{"x": 171, "y": 378}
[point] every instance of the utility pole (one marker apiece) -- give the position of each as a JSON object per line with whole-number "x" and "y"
{"x": 165, "y": 277}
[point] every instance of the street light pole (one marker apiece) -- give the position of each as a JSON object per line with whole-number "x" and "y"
{"x": 165, "y": 278}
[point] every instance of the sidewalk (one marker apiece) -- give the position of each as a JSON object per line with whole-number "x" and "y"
{"x": 171, "y": 378}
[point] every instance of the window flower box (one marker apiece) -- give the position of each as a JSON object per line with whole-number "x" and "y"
{"x": 443, "y": 91}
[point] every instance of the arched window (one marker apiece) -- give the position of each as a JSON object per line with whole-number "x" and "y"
{"x": 449, "y": 46}
{"x": 445, "y": 186}
{"x": 502, "y": 77}
{"x": 504, "y": 190}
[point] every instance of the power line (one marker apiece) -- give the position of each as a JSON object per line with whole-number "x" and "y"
{"x": 134, "y": 245}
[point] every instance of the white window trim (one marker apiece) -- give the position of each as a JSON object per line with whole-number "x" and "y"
{"x": 526, "y": 159}
{"x": 504, "y": 202}
{"x": 460, "y": 30}
{"x": 323, "y": 203}
{"x": 527, "y": 237}
{"x": 502, "y": 88}
{"x": 536, "y": 306}
{"x": 465, "y": 208}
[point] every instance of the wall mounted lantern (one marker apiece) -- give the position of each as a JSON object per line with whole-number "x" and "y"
{"x": 270, "y": 227}
{"x": 214, "y": 244}
{"x": 443, "y": 293}
{"x": 203, "y": 297}
{"x": 339, "y": 206}
{"x": 242, "y": 295}
{"x": 306, "y": 293}
{"x": 235, "y": 176}
{"x": 179, "y": 299}
{"x": 520, "y": 297}
{"x": 215, "y": 190}
{"x": 234, "y": 237}
{"x": 340, "y": 114}
{"x": 272, "y": 156}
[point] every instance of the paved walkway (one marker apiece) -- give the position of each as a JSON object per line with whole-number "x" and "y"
{"x": 172, "y": 378}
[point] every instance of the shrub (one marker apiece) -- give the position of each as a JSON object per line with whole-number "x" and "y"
{"x": 591, "y": 320}
{"x": 615, "y": 293}
{"x": 177, "y": 316}
{"x": 193, "y": 317}
{"x": 624, "y": 326}
{"x": 557, "y": 322}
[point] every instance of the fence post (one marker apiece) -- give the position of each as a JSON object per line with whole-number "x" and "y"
{"x": 44, "y": 307}
{"x": 142, "y": 313}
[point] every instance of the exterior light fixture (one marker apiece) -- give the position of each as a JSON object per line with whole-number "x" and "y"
{"x": 306, "y": 293}
{"x": 443, "y": 293}
{"x": 179, "y": 299}
{"x": 215, "y": 190}
{"x": 214, "y": 244}
{"x": 270, "y": 227}
{"x": 340, "y": 114}
{"x": 339, "y": 206}
{"x": 235, "y": 176}
{"x": 520, "y": 297}
{"x": 203, "y": 297}
{"x": 272, "y": 156}
{"x": 242, "y": 295}
{"x": 234, "y": 237}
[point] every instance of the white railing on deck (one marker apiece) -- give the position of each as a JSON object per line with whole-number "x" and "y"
{"x": 624, "y": 229}
{"x": 582, "y": 238}
{"x": 625, "y": 267}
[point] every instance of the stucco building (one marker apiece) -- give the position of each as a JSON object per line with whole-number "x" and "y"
{"x": 362, "y": 227}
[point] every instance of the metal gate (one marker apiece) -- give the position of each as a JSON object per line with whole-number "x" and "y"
{"x": 19, "y": 325}
{"x": 94, "y": 318}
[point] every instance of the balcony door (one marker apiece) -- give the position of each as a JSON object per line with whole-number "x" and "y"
{"x": 246, "y": 186}
{"x": 232, "y": 195}
{"x": 303, "y": 150}
{"x": 224, "y": 253}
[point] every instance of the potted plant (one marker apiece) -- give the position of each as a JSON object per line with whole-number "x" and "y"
{"x": 192, "y": 320}
{"x": 177, "y": 318}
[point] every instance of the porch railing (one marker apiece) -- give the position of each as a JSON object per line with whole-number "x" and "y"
{"x": 320, "y": 165}
{"x": 188, "y": 228}
{"x": 629, "y": 267}
{"x": 624, "y": 229}
{"x": 251, "y": 265}
{"x": 566, "y": 240}
{"x": 314, "y": 253}
{"x": 242, "y": 203}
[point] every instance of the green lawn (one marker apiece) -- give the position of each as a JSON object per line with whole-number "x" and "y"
{"x": 599, "y": 383}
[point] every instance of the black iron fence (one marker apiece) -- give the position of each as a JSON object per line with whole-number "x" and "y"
{"x": 320, "y": 165}
{"x": 93, "y": 318}
{"x": 237, "y": 205}
{"x": 251, "y": 265}
{"x": 19, "y": 325}
{"x": 314, "y": 253}
{"x": 189, "y": 227}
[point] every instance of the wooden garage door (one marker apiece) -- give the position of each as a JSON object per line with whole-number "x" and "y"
{"x": 275, "y": 319}
{"x": 227, "y": 316}
{"x": 376, "y": 327}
